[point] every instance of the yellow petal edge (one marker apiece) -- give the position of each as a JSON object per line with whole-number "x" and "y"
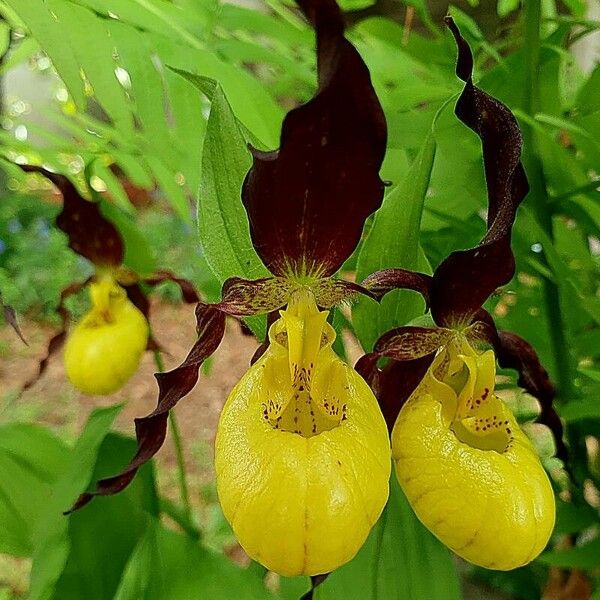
{"x": 468, "y": 470}
{"x": 302, "y": 453}
{"x": 104, "y": 349}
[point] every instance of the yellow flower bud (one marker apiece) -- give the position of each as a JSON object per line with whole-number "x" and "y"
{"x": 466, "y": 467}
{"x": 105, "y": 348}
{"x": 302, "y": 453}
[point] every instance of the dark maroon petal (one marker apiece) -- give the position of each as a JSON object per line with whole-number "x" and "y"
{"x": 366, "y": 367}
{"x": 394, "y": 383}
{"x": 329, "y": 292}
{"x": 90, "y": 233}
{"x": 308, "y": 201}
{"x": 173, "y": 385}
{"x": 464, "y": 281}
{"x": 382, "y": 282}
{"x": 514, "y": 352}
{"x": 55, "y": 343}
{"x": 409, "y": 343}
{"x": 10, "y": 316}
{"x": 244, "y": 297}
{"x": 467, "y": 278}
{"x": 188, "y": 291}
{"x": 483, "y": 328}
{"x": 139, "y": 299}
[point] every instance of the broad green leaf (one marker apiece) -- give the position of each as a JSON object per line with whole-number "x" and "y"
{"x": 136, "y": 55}
{"x": 19, "y": 53}
{"x": 188, "y": 126}
{"x": 292, "y": 588}
{"x": 175, "y": 193}
{"x": 393, "y": 241}
{"x": 580, "y": 410}
{"x": 581, "y": 557}
{"x": 573, "y": 518}
{"x": 169, "y": 565}
{"x": 590, "y": 206}
{"x": 250, "y": 101}
{"x": 4, "y": 37}
{"x": 222, "y": 220}
{"x": 560, "y": 271}
{"x": 157, "y": 16}
{"x": 55, "y": 43}
{"x": 51, "y": 534}
{"x": 103, "y": 535}
{"x": 77, "y": 25}
{"x": 31, "y": 459}
{"x": 591, "y": 373}
{"x": 355, "y": 4}
{"x": 399, "y": 560}
{"x": 505, "y": 7}
{"x": 239, "y": 18}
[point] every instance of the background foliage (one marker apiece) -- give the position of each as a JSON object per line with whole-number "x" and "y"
{"x": 152, "y": 102}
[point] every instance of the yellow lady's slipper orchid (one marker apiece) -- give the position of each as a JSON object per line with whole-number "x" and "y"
{"x": 469, "y": 472}
{"x": 302, "y": 450}
{"x": 105, "y": 348}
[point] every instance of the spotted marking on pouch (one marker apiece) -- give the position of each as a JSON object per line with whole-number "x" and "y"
{"x": 305, "y": 414}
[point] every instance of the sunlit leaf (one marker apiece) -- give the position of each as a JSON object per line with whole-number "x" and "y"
{"x": 393, "y": 241}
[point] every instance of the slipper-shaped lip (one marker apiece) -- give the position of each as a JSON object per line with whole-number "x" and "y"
{"x": 485, "y": 493}
{"x": 105, "y": 347}
{"x": 301, "y": 504}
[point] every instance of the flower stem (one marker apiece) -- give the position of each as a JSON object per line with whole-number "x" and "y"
{"x": 540, "y": 200}
{"x": 180, "y": 456}
{"x": 541, "y": 203}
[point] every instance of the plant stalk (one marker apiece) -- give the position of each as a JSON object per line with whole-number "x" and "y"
{"x": 540, "y": 200}
{"x": 541, "y": 203}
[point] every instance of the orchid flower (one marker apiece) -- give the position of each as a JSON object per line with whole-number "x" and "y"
{"x": 104, "y": 349}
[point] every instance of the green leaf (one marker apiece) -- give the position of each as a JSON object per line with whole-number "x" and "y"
{"x": 591, "y": 373}
{"x": 31, "y": 459}
{"x": 168, "y": 565}
{"x": 393, "y": 241}
{"x": 4, "y": 37}
{"x": 147, "y": 86}
{"x": 573, "y": 518}
{"x": 19, "y": 52}
{"x": 399, "y": 560}
{"x": 78, "y": 25}
{"x": 174, "y": 192}
{"x": 222, "y": 221}
{"x": 48, "y": 33}
{"x": 250, "y": 101}
{"x": 582, "y": 557}
{"x": 103, "y": 535}
{"x": 505, "y": 7}
{"x": 563, "y": 276}
{"x": 50, "y": 537}
{"x": 580, "y": 410}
